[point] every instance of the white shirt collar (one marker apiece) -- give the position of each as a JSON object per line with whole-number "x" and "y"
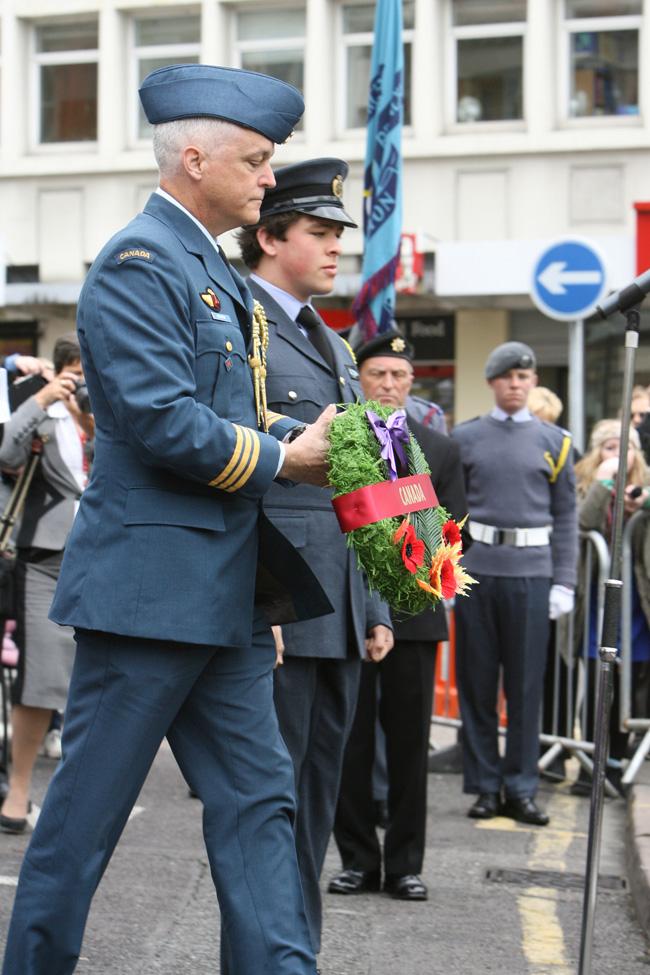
{"x": 170, "y": 199}
{"x": 289, "y": 304}
{"x": 521, "y": 416}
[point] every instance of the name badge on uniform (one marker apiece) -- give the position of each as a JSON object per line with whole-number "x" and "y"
{"x": 220, "y": 316}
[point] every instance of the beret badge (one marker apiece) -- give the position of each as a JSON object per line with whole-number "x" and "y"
{"x": 398, "y": 345}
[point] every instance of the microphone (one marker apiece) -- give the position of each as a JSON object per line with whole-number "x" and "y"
{"x": 632, "y": 294}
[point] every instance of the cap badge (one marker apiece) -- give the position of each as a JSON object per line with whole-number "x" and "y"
{"x": 337, "y": 187}
{"x": 398, "y": 345}
{"x": 211, "y": 299}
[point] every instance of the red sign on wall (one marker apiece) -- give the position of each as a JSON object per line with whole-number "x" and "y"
{"x": 410, "y": 269}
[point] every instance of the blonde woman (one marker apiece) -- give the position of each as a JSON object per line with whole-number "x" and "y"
{"x": 595, "y": 478}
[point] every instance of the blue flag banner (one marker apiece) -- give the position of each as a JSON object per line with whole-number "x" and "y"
{"x": 374, "y": 306}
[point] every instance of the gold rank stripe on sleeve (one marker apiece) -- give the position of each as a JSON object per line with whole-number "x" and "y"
{"x": 242, "y": 463}
{"x": 274, "y": 417}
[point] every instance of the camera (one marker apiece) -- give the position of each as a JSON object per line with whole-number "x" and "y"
{"x": 82, "y": 397}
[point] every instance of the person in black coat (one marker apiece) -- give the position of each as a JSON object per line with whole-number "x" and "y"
{"x": 406, "y": 683}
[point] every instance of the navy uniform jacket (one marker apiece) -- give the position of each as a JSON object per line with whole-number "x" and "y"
{"x": 300, "y": 383}
{"x": 165, "y": 542}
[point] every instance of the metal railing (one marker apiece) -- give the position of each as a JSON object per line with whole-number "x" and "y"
{"x": 572, "y": 690}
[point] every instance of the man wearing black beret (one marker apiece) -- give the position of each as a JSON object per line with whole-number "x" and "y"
{"x": 405, "y": 682}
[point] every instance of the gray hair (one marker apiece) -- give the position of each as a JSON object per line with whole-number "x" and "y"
{"x": 170, "y": 138}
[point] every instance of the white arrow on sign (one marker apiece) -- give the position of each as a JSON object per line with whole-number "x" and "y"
{"x": 554, "y": 277}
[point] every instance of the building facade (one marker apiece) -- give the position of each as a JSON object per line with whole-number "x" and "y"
{"x": 525, "y": 121}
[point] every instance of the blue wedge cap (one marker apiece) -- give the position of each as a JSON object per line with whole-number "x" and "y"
{"x": 255, "y": 101}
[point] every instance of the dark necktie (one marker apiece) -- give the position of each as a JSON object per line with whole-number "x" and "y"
{"x": 315, "y": 329}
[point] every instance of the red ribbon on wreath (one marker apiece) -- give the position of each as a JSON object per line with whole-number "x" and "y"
{"x": 384, "y": 500}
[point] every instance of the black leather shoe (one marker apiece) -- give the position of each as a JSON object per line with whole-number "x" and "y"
{"x": 354, "y": 882}
{"x": 406, "y": 888}
{"x": 9, "y": 824}
{"x": 485, "y": 807}
{"x": 525, "y": 810}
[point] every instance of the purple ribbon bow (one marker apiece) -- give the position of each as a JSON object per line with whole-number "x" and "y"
{"x": 392, "y": 435}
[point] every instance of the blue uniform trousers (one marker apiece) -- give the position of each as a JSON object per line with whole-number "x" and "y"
{"x": 315, "y": 699}
{"x": 503, "y": 623}
{"x": 215, "y": 706}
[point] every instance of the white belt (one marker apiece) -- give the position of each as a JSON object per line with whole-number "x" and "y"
{"x": 521, "y": 537}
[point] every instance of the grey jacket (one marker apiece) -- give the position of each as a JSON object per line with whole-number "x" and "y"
{"x": 301, "y": 384}
{"x": 50, "y": 506}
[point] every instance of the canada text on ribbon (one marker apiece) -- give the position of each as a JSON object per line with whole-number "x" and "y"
{"x": 384, "y": 500}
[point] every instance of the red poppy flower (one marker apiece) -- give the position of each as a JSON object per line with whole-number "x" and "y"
{"x": 412, "y": 548}
{"x": 450, "y": 532}
{"x": 447, "y": 579}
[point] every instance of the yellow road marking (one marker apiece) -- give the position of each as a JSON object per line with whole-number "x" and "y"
{"x": 542, "y": 935}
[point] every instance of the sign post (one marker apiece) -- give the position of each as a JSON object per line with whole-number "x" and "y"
{"x": 569, "y": 279}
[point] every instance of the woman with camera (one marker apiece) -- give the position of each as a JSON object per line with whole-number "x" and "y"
{"x": 55, "y": 422}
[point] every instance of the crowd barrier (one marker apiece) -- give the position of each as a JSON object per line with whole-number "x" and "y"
{"x": 565, "y": 725}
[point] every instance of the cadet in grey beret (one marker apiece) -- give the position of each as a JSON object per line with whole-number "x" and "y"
{"x": 509, "y": 355}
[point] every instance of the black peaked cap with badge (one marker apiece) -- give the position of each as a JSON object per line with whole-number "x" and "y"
{"x": 385, "y": 344}
{"x": 245, "y": 98}
{"x": 509, "y": 355}
{"x": 314, "y": 188}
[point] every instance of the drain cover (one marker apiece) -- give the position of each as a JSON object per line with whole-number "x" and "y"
{"x": 552, "y": 878}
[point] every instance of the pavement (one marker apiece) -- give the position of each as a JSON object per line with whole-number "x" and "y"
{"x": 637, "y": 846}
{"x": 505, "y": 899}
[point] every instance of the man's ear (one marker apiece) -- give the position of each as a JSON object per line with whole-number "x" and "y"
{"x": 192, "y": 160}
{"x": 267, "y": 242}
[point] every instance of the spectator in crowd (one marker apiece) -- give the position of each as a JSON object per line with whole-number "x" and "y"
{"x": 639, "y": 406}
{"x": 521, "y": 497}
{"x": 54, "y": 418}
{"x": 405, "y": 681}
{"x": 16, "y": 365}
{"x": 595, "y": 476}
{"x": 640, "y": 417}
{"x": 545, "y": 404}
{"x": 293, "y": 253}
{"x": 159, "y": 574}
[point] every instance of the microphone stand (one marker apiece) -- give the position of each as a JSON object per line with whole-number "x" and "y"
{"x": 607, "y": 652}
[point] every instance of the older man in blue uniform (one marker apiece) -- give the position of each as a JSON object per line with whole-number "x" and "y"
{"x": 293, "y": 253}
{"x": 159, "y": 574}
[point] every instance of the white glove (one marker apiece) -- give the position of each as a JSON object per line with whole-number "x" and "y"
{"x": 560, "y": 601}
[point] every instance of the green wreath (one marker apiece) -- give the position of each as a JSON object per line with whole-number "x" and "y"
{"x": 411, "y": 561}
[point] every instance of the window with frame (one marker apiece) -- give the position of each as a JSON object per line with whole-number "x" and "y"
{"x": 603, "y": 57}
{"x": 159, "y": 41}
{"x": 488, "y": 55}
{"x": 272, "y": 40}
{"x": 358, "y": 24}
{"x": 66, "y": 56}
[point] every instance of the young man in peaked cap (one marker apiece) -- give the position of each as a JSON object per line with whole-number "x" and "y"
{"x": 293, "y": 253}
{"x": 522, "y": 505}
{"x": 159, "y": 573}
{"x": 405, "y": 680}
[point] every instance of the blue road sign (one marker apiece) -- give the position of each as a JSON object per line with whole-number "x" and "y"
{"x": 569, "y": 279}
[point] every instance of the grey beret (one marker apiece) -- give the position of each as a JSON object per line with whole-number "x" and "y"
{"x": 509, "y": 355}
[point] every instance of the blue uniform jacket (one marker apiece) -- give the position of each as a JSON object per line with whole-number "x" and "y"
{"x": 165, "y": 542}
